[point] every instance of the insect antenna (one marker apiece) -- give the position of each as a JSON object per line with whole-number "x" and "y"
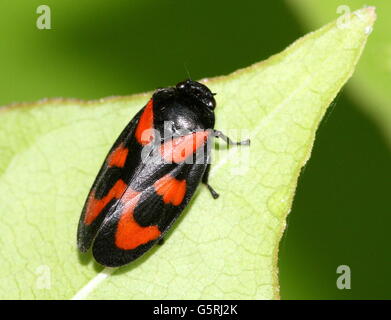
{"x": 187, "y": 70}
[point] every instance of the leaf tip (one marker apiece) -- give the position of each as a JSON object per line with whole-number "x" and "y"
{"x": 367, "y": 13}
{"x": 371, "y": 10}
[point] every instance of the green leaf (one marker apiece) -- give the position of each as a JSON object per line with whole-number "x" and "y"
{"x": 370, "y": 88}
{"x": 225, "y": 248}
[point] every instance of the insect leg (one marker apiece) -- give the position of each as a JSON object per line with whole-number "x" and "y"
{"x": 205, "y": 178}
{"x": 219, "y": 134}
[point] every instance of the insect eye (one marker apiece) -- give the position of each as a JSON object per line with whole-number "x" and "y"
{"x": 181, "y": 86}
{"x": 211, "y": 104}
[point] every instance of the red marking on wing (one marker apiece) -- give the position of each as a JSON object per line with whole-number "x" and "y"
{"x": 144, "y": 130}
{"x": 130, "y": 234}
{"x": 95, "y": 206}
{"x": 172, "y": 190}
{"x": 178, "y": 149}
{"x": 118, "y": 157}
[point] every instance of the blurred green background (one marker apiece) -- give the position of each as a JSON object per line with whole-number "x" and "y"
{"x": 341, "y": 212}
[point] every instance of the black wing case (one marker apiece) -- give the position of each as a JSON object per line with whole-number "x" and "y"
{"x": 120, "y": 164}
{"x": 152, "y": 202}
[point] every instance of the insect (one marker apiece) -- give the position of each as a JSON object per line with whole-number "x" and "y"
{"x": 150, "y": 174}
